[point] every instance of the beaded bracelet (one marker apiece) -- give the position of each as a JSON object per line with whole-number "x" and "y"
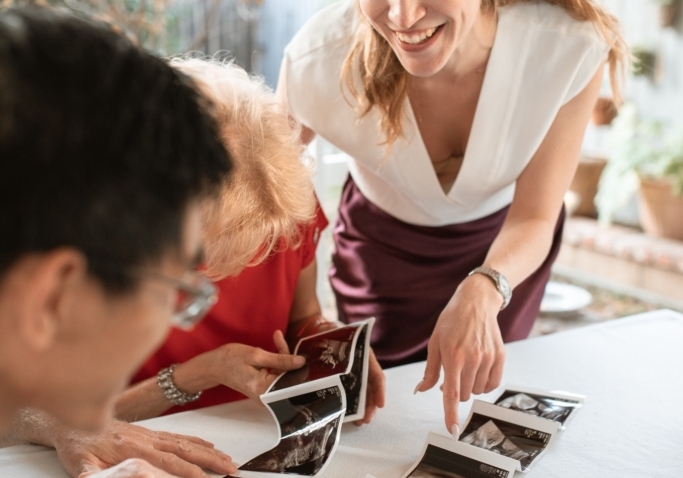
{"x": 169, "y": 389}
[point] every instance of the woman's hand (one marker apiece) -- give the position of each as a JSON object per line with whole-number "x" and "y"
{"x": 467, "y": 343}
{"x": 376, "y": 390}
{"x": 123, "y": 449}
{"x": 249, "y": 370}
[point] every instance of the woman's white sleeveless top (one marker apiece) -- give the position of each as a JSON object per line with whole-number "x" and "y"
{"x": 541, "y": 58}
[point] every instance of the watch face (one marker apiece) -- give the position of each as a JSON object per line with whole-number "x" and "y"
{"x": 504, "y": 286}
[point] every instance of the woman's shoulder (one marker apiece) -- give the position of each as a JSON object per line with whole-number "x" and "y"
{"x": 552, "y": 20}
{"x": 328, "y": 29}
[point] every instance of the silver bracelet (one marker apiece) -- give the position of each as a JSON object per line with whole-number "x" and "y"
{"x": 169, "y": 389}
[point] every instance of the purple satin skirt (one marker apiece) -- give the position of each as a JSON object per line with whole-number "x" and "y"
{"x": 404, "y": 275}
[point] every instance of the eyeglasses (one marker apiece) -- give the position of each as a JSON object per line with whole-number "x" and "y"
{"x": 193, "y": 300}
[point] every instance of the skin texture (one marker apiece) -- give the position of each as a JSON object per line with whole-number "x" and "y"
{"x": 120, "y": 449}
{"x": 444, "y": 84}
{"x": 247, "y": 369}
{"x": 61, "y": 323}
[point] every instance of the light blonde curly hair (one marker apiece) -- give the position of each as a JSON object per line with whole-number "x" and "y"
{"x": 269, "y": 196}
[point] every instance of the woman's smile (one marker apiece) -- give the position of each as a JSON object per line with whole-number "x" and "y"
{"x": 417, "y": 40}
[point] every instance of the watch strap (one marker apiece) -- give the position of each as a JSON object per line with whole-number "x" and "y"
{"x": 500, "y": 281}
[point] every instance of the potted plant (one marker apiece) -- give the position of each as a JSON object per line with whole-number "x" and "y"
{"x": 668, "y": 12}
{"x": 647, "y": 158}
{"x": 585, "y": 184}
{"x": 644, "y": 61}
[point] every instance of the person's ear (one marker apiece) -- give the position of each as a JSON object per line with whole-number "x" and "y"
{"x": 53, "y": 278}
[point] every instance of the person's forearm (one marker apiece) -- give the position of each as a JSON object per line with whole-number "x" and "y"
{"x": 520, "y": 248}
{"x": 30, "y": 426}
{"x": 146, "y": 400}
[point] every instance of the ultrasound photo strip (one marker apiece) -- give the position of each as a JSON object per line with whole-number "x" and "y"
{"x": 444, "y": 457}
{"x": 309, "y": 419}
{"x": 342, "y": 351}
{"x": 510, "y": 433}
{"x": 557, "y": 406}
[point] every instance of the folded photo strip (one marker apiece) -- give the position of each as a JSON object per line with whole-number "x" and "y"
{"x": 557, "y": 406}
{"x": 443, "y": 457}
{"x": 516, "y": 435}
{"x": 341, "y": 351}
{"x": 311, "y": 403}
{"x": 499, "y": 438}
{"x": 309, "y": 419}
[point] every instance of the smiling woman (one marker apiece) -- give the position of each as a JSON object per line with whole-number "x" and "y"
{"x": 463, "y": 120}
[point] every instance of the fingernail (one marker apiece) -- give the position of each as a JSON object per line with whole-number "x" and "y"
{"x": 455, "y": 431}
{"x": 300, "y": 359}
{"x": 417, "y": 389}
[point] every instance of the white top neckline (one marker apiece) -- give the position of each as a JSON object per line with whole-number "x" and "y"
{"x": 540, "y": 59}
{"x": 465, "y": 166}
{"x": 470, "y": 173}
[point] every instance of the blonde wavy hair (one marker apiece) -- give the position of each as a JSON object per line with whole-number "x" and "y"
{"x": 262, "y": 207}
{"x": 385, "y": 81}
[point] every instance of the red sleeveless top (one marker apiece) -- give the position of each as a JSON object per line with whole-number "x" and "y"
{"x": 250, "y": 308}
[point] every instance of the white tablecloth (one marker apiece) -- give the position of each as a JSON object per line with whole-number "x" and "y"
{"x": 630, "y": 426}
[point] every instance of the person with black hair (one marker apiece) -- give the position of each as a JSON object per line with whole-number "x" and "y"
{"x": 107, "y": 154}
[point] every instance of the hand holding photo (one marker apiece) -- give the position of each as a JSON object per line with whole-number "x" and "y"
{"x": 340, "y": 352}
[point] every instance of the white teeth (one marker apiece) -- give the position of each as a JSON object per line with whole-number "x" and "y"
{"x": 417, "y": 37}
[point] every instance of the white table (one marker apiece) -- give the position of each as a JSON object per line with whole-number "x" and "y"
{"x": 631, "y": 425}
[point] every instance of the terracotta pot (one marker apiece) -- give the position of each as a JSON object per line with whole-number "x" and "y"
{"x": 585, "y": 184}
{"x": 661, "y": 212}
{"x": 668, "y": 14}
{"x": 604, "y": 111}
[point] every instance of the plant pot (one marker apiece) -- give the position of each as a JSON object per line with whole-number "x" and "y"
{"x": 661, "y": 212}
{"x": 585, "y": 184}
{"x": 668, "y": 14}
{"x": 604, "y": 111}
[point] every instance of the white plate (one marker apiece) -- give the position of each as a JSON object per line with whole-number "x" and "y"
{"x": 561, "y": 298}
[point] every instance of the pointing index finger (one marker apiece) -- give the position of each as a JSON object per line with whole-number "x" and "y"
{"x": 451, "y": 395}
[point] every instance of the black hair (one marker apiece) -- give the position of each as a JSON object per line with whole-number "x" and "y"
{"x": 102, "y": 145}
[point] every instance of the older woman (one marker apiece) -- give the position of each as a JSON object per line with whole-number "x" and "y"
{"x": 463, "y": 120}
{"x": 259, "y": 242}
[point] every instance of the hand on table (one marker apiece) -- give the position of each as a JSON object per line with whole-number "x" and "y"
{"x": 467, "y": 343}
{"x": 127, "y": 450}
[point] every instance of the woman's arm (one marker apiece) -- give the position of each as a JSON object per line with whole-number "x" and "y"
{"x": 466, "y": 339}
{"x": 305, "y": 316}
{"x": 249, "y": 370}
